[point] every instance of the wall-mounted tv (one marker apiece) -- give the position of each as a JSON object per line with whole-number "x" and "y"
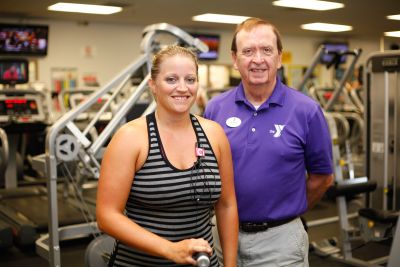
{"x": 13, "y": 71}
{"x": 334, "y": 49}
{"x": 212, "y": 41}
{"x": 22, "y": 39}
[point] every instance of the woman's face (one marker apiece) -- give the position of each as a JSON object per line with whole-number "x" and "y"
{"x": 175, "y": 87}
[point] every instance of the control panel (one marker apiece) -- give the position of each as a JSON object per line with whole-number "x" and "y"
{"x": 21, "y": 108}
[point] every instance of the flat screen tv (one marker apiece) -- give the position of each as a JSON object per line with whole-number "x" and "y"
{"x": 334, "y": 49}
{"x": 31, "y": 40}
{"x": 212, "y": 41}
{"x": 14, "y": 71}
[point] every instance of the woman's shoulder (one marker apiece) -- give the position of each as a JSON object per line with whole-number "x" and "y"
{"x": 207, "y": 123}
{"x": 136, "y": 127}
{"x": 210, "y": 127}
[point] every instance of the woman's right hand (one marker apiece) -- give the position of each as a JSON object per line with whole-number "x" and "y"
{"x": 182, "y": 252}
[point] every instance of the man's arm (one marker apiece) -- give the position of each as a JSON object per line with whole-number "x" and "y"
{"x": 317, "y": 184}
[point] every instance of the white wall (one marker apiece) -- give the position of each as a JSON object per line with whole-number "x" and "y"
{"x": 114, "y": 46}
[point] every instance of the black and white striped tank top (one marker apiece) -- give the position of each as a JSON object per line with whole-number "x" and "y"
{"x": 175, "y": 204}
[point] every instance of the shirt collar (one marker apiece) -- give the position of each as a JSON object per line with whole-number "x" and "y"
{"x": 277, "y": 97}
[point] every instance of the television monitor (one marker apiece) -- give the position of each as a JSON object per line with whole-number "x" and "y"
{"x": 334, "y": 48}
{"x": 212, "y": 41}
{"x": 23, "y": 39}
{"x": 14, "y": 71}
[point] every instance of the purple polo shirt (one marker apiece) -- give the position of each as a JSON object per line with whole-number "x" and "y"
{"x": 272, "y": 149}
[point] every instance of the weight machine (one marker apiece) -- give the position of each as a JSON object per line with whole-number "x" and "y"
{"x": 383, "y": 128}
{"x": 337, "y": 55}
{"x": 374, "y": 228}
{"x": 379, "y": 222}
{"x": 337, "y": 101}
{"x": 66, "y": 142}
{"x": 383, "y": 138}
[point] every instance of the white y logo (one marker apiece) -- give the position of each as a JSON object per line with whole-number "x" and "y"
{"x": 279, "y": 129}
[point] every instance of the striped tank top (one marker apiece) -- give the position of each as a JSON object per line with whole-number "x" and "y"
{"x": 172, "y": 203}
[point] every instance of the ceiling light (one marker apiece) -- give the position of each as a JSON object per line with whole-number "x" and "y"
{"x": 219, "y": 18}
{"x": 309, "y": 4}
{"x": 395, "y": 17}
{"x": 326, "y": 27}
{"x": 393, "y": 34}
{"x": 83, "y": 8}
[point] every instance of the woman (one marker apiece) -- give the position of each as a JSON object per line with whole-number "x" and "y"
{"x": 162, "y": 175}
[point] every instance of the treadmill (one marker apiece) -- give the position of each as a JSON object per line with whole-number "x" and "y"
{"x": 24, "y": 209}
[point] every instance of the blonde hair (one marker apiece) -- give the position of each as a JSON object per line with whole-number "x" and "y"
{"x": 170, "y": 51}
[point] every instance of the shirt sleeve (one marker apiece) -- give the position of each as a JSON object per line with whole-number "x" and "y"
{"x": 318, "y": 150}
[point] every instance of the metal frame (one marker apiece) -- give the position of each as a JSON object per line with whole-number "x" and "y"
{"x": 322, "y": 50}
{"x": 387, "y": 63}
{"x": 347, "y": 233}
{"x": 4, "y": 156}
{"x": 382, "y": 135}
{"x": 394, "y": 258}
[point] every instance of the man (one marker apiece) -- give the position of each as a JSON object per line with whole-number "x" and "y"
{"x": 281, "y": 150}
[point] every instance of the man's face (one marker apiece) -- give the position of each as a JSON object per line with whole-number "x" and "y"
{"x": 257, "y": 57}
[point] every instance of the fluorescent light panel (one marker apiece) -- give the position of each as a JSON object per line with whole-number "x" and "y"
{"x": 395, "y": 17}
{"x": 393, "y": 34}
{"x": 326, "y": 27}
{"x": 308, "y": 4}
{"x": 83, "y": 8}
{"x": 219, "y": 18}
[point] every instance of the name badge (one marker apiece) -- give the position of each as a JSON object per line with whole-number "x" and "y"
{"x": 233, "y": 122}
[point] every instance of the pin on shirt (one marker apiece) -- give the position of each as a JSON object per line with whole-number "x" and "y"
{"x": 200, "y": 152}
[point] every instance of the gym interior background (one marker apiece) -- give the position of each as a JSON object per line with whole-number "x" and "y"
{"x": 102, "y": 59}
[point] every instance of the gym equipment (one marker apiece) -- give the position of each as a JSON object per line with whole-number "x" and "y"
{"x": 89, "y": 151}
{"x": 383, "y": 137}
{"x": 3, "y": 152}
{"x": 374, "y": 227}
{"x": 338, "y": 99}
{"x": 70, "y": 99}
{"x": 23, "y": 204}
{"x": 378, "y": 222}
{"x": 98, "y": 252}
{"x": 202, "y": 259}
{"x": 382, "y": 118}
{"x": 394, "y": 258}
{"x": 337, "y": 55}
{"x": 21, "y": 112}
{"x": 357, "y": 99}
{"x": 6, "y": 235}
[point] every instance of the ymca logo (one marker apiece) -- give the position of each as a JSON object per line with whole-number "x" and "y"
{"x": 278, "y": 130}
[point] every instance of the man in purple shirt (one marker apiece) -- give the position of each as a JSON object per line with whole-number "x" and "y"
{"x": 281, "y": 149}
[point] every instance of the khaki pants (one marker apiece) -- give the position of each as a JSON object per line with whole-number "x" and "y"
{"x": 284, "y": 245}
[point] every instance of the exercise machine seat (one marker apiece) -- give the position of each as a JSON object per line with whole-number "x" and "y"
{"x": 380, "y": 216}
